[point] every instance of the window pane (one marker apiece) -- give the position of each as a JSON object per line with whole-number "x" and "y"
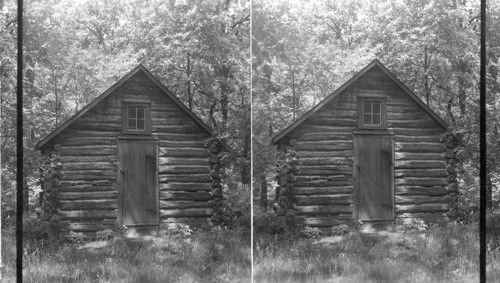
{"x": 132, "y": 112}
{"x": 131, "y": 124}
{"x": 367, "y": 107}
{"x": 140, "y": 124}
{"x": 367, "y": 119}
{"x": 376, "y": 107}
{"x": 376, "y": 119}
{"x": 140, "y": 113}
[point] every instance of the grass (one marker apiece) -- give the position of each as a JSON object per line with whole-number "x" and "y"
{"x": 436, "y": 255}
{"x": 215, "y": 256}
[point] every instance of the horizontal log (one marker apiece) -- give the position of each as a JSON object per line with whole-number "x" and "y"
{"x": 323, "y": 210}
{"x": 426, "y": 164}
{"x": 87, "y": 188}
{"x": 417, "y": 131}
{"x": 420, "y": 173}
{"x": 419, "y": 199}
{"x": 88, "y": 214}
{"x": 323, "y": 190}
{"x": 184, "y": 169}
{"x": 423, "y": 216}
{"x": 323, "y": 145}
{"x": 90, "y": 226}
{"x": 189, "y": 212}
{"x": 102, "y": 118}
{"x": 345, "y": 199}
{"x": 165, "y": 114}
{"x": 98, "y": 126}
{"x": 326, "y": 221}
{"x": 167, "y": 121}
{"x": 188, "y": 187}
{"x": 75, "y": 141}
{"x": 89, "y": 176}
{"x": 191, "y": 152}
{"x": 325, "y": 136}
{"x": 89, "y": 204}
{"x": 194, "y": 196}
{"x": 324, "y": 162}
{"x": 182, "y": 144}
{"x": 166, "y": 223}
{"x": 395, "y": 116}
{"x": 177, "y": 129}
{"x": 420, "y": 181}
{"x": 428, "y": 207}
{"x": 87, "y": 195}
{"x": 184, "y": 204}
{"x": 427, "y": 139}
{"x": 323, "y": 183}
{"x": 80, "y": 184}
{"x": 76, "y": 132}
{"x": 91, "y": 158}
{"x": 419, "y": 147}
{"x": 201, "y": 136}
{"x": 324, "y": 153}
{"x": 89, "y": 150}
{"x": 191, "y": 178}
{"x": 340, "y": 170}
{"x": 410, "y": 123}
{"x": 78, "y": 166}
{"x": 418, "y": 156}
{"x": 182, "y": 161}
{"x": 334, "y": 121}
{"x": 316, "y": 129}
{"x": 323, "y": 178}
{"x": 415, "y": 190}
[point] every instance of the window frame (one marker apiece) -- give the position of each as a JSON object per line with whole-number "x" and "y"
{"x": 125, "y": 117}
{"x": 361, "y": 112}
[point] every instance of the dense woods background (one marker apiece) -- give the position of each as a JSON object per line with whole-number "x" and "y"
{"x": 301, "y": 52}
{"x": 73, "y": 51}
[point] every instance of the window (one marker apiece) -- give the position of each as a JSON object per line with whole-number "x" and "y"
{"x": 372, "y": 113}
{"x": 136, "y": 118}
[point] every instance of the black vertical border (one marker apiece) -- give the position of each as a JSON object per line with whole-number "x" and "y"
{"x": 19, "y": 145}
{"x": 482, "y": 149}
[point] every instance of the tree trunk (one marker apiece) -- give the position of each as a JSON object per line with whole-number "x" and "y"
{"x": 188, "y": 83}
{"x": 263, "y": 191}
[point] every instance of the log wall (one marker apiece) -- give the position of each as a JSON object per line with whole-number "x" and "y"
{"x": 88, "y": 188}
{"x": 323, "y": 144}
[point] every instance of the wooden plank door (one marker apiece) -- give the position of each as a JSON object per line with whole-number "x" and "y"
{"x": 137, "y": 175}
{"x": 373, "y": 178}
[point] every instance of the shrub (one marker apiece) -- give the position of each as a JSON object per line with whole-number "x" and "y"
{"x": 104, "y": 235}
{"x": 74, "y": 237}
{"x": 310, "y": 233}
{"x": 48, "y": 232}
{"x": 285, "y": 225}
{"x": 340, "y": 230}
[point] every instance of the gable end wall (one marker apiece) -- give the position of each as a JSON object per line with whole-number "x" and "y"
{"x": 324, "y": 184}
{"x": 88, "y": 188}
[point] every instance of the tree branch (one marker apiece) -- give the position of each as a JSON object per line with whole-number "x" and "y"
{"x": 241, "y": 21}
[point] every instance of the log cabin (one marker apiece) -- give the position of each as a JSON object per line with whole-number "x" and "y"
{"x": 135, "y": 157}
{"x": 371, "y": 151}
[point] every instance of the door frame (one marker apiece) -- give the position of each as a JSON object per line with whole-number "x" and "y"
{"x": 137, "y": 139}
{"x": 374, "y": 133}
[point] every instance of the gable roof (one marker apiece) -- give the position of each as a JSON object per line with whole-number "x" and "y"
{"x": 374, "y": 63}
{"x": 89, "y": 106}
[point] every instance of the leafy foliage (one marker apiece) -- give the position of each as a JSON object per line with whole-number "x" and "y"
{"x": 302, "y": 51}
{"x": 76, "y": 50}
